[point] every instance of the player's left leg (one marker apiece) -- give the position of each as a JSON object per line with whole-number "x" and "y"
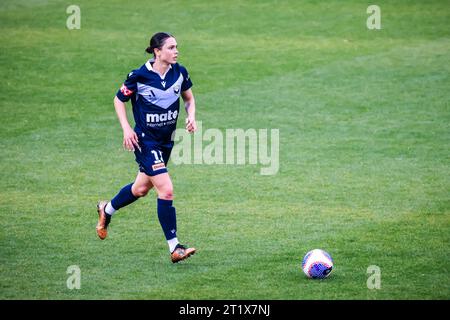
{"x": 167, "y": 216}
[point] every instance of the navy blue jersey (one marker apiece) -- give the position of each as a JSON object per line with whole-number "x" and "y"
{"x": 155, "y": 100}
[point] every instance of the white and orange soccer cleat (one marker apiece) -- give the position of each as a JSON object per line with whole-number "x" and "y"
{"x": 103, "y": 220}
{"x": 181, "y": 253}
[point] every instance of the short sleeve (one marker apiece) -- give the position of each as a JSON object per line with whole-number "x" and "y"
{"x": 187, "y": 83}
{"x": 128, "y": 88}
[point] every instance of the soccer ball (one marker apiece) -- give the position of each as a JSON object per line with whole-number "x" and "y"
{"x": 317, "y": 264}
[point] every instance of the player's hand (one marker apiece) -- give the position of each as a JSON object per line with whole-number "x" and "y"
{"x": 130, "y": 140}
{"x": 191, "y": 125}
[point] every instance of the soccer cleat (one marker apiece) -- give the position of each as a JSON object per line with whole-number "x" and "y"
{"x": 103, "y": 220}
{"x": 181, "y": 253}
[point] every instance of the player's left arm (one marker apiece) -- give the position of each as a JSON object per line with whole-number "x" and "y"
{"x": 189, "y": 104}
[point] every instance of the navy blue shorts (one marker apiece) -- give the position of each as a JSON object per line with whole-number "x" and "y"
{"x": 153, "y": 157}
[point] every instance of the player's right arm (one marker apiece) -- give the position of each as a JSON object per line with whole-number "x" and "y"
{"x": 126, "y": 91}
{"x": 130, "y": 138}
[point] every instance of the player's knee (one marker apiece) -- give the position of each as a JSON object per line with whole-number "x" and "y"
{"x": 141, "y": 191}
{"x": 166, "y": 194}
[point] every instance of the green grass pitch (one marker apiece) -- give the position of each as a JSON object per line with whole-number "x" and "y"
{"x": 363, "y": 118}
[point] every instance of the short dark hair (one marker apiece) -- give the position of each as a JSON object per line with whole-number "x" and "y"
{"x": 157, "y": 41}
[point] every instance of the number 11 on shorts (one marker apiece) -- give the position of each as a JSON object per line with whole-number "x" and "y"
{"x": 157, "y": 154}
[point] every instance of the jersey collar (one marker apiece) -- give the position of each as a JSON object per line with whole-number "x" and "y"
{"x": 149, "y": 67}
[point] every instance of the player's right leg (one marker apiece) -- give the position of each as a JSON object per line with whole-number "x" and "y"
{"x": 126, "y": 196}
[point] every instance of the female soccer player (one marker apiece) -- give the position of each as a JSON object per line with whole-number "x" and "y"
{"x": 154, "y": 90}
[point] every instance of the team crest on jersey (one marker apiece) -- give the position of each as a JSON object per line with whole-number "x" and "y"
{"x": 126, "y": 92}
{"x": 176, "y": 89}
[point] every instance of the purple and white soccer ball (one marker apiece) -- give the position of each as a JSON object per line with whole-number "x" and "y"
{"x": 317, "y": 264}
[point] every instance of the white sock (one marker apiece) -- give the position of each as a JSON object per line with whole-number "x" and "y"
{"x": 172, "y": 244}
{"x": 109, "y": 209}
